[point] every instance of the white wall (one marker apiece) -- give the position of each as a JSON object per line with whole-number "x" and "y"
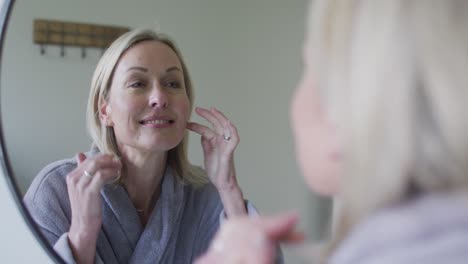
{"x": 244, "y": 57}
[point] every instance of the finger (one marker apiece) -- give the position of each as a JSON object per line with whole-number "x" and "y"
{"x": 93, "y": 184}
{"x": 229, "y": 128}
{"x": 231, "y": 140}
{"x": 77, "y": 180}
{"x": 104, "y": 168}
{"x": 280, "y": 227}
{"x": 224, "y": 121}
{"x": 211, "y": 118}
{"x": 80, "y": 157}
{"x": 80, "y": 177}
{"x": 294, "y": 237}
{"x": 204, "y": 131}
{"x": 233, "y": 133}
{"x": 101, "y": 177}
{"x": 219, "y": 115}
{"x": 74, "y": 176}
{"x": 101, "y": 161}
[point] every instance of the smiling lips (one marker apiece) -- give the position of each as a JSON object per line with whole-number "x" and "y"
{"x": 157, "y": 122}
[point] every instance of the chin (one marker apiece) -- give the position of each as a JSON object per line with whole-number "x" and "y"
{"x": 322, "y": 186}
{"x": 323, "y": 181}
{"x": 166, "y": 146}
{"x": 159, "y": 145}
{"x": 164, "y": 142}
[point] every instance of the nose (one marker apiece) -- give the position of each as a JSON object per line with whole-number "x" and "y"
{"x": 158, "y": 97}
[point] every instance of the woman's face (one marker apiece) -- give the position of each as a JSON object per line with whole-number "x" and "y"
{"x": 317, "y": 149}
{"x": 148, "y": 106}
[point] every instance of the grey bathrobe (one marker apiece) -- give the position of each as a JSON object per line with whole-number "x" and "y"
{"x": 180, "y": 228}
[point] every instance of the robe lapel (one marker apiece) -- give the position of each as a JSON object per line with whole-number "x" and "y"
{"x": 158, "y": 237}
{"x": 121, "y": 224}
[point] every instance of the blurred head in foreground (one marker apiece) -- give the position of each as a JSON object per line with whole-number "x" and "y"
{"x": 380, "y": 114}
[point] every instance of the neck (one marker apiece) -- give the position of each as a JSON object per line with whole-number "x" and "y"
{"x": 143, "y": 177}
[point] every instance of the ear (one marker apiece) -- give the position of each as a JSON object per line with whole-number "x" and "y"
{"x": 105, "y": 114}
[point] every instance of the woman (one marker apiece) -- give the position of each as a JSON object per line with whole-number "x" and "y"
{"x": 380, "y": 118}
{"x": 135, "y": 198}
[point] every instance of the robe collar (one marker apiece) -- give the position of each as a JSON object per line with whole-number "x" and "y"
{"x": 147, "y": 243}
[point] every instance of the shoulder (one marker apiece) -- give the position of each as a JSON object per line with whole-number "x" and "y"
{"x": 205, "y": 194}
{"x": 50, "y": 181}
{"x": 427, "y": 229}
{"x": 202, "y": 198}
{"x": 47, "y": 198}
{"x": 199, "y": 187}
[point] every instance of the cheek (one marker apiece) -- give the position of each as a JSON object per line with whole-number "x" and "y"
{"x": 301, "y": 102}
{"x": 299, "y": 122}
{"x": 303, "y": 137}
{"x": 128, "y": 111}
{"x": 314, "y": 140}
{"x": 182, "y": 109}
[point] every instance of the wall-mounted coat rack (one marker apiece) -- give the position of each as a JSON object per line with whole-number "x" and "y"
{"x": 62, "y": 33}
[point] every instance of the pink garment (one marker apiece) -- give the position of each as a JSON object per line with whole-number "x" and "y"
{"x": 428, "y": 229}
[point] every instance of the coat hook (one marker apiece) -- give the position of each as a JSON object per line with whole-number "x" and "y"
{"x": 83, "y": 52}
{"x": 62, "y": 50}
{"x": 42, "y": 49}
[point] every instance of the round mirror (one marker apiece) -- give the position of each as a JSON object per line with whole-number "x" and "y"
{"x": 244, "y": 57}
{"x": 18, "y": 230}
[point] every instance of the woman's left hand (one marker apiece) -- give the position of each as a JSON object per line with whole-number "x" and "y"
{"x": 219, "y": 144}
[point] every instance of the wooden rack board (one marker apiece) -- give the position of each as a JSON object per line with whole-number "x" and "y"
{"x": 53, "y": 32}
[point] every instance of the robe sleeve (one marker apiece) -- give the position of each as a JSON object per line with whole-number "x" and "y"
{"x": 63, "y": 249}
{"x": 47, "y": 202}
{"x": 251, "y": 211}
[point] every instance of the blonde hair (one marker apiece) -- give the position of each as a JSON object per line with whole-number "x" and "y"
{"x": 393, "y": 77}
{"x": 103, "y": 136}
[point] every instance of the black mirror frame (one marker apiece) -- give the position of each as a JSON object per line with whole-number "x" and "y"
{"x": 5, "y": 12}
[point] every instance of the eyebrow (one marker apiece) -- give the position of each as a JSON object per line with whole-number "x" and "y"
{"x": 174, "y": 68}
{"x": 137, "y": 68}
{"x": 143, "y": 69}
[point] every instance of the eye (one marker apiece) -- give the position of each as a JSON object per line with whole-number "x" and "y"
{"x": 137, "y": 84}
{"x": 172, "y": 84}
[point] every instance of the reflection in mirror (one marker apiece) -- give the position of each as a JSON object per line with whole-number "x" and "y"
{"x": 244, "y": 57}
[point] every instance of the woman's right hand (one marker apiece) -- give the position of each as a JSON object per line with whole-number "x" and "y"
{"x": 84, "y": 184}
{"x": 251, "y": 240}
